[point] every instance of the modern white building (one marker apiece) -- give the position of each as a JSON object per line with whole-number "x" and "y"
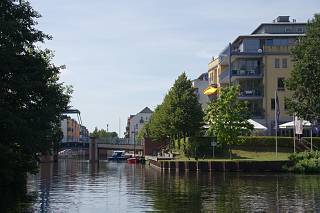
{"x": 201, "y": 83}
{"x": 136, "y": 122}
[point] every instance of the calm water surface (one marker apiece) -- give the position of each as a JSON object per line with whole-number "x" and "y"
{"x": 78, "y": 186}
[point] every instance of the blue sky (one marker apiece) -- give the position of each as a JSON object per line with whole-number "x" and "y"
{"x": 124, "y": 55}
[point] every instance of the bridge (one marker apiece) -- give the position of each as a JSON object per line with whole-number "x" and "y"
{"x": 126, "y": 147}
{"x": 99, "y": 147}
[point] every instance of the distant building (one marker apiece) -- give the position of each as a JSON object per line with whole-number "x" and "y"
{"x": 260, "y": 64}
{"x": 71, "y": 130}
{"x": 136, "y": 122}
{"x": 84, "y": 134}
{"x": 200, "y": 84}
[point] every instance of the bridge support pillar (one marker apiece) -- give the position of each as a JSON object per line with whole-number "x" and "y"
{"x": 93, "y": 150}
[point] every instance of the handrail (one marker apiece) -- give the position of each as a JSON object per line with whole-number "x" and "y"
{"x": 309, "y": 143}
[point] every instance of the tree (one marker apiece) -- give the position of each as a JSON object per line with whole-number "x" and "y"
{"x": 227, "y": 117}
{"x": 31, "y": 98}
{"x": 305, "y": 76}
{"x": 179, "y": 115}
{"x": 185, "y": 111}
{"x": 102, "y": 133}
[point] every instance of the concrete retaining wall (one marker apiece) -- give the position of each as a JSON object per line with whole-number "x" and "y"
{"x": 232, "y": 166}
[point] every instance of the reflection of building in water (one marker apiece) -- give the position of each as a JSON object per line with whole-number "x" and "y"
{"x": 46, "y": 173}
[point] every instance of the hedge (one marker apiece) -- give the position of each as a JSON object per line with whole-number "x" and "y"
{"x": 202, "y": 145}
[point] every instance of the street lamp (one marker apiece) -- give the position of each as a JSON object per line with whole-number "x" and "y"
{"x": 134, "y": 141}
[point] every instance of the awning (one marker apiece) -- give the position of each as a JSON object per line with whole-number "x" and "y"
{"x": 290, "y": 125}
{"x": 210, "y": 90}
{"x": 257, "y": 125}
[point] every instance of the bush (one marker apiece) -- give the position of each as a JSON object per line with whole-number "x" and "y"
{"x": 196, "y": 146}
{"x": 305, "y": 162}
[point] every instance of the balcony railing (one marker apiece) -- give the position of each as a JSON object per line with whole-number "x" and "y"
{"x": 224, "y": 76}
{"x": 246, "y": 72}
{"x": 250, "y": 93}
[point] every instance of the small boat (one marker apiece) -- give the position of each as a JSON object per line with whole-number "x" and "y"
{"x": 118, "y": 156}
{"x": 133, "y": 160}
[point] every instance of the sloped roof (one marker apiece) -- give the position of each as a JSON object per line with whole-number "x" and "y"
{"x": 146, "y": 110}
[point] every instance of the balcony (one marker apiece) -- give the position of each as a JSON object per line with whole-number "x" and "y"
{"x": 246, "y": 72}
{"x": 250, "y": 94}
{"x": 224, "y": 77}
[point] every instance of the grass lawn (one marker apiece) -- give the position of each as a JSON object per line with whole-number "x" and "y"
{"x": 244, "y": 153}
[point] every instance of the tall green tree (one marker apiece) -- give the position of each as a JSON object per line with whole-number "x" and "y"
{"x": 31, "y": 98}
{"x": 179, "y": 115}
{"x": 184, "y": 109}
{"x": 305, "y": 76}
{"x": 227, "y": 117}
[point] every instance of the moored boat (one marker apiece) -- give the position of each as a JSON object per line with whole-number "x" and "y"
{"x": 133, "y": 160}
{"x": 119, "y": 156}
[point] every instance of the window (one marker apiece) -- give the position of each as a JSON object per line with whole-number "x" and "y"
{"x": 284, "y": 63}
{"x": 269, "y": 42}
{"x": 273, "y": 104}
{"x": 277, "y": 63}
{"x": 300, "y": 30}
{"x": 280, "y": 83}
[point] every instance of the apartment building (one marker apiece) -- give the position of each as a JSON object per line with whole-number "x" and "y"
{"x": 136, "y": 122}
{"x": 70, "y": 129}
{"x": 200, "y": 84}
{"x": 260, "y": 62}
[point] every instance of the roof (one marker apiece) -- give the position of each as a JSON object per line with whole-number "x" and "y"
{"x": 202, "y": 77}
{"x": 277, "y": 23}
{"x": 146, "y": 110}
{"x": 266, "y": 35}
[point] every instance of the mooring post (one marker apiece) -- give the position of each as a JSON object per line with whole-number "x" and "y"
{"x": 93, "y": 150}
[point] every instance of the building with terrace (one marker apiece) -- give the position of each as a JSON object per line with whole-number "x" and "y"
{"x": 259, "y": 62}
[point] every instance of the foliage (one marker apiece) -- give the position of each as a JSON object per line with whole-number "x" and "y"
{"x": 196, "y": 146}
{"x": 227, "y": 117}
{"x": 31, "y": 98}
{"x": 305, "y": 76}
{"x": 305, "y": 162}
{"x": 179, "y": 115}
{"x": 101, "y": 133}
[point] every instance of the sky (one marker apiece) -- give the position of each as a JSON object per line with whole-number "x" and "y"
{"x": 124, "y": 55}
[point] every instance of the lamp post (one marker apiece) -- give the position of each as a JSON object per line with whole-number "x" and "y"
{"x": 229, "y": 62}
{"x": 134, "y": 141}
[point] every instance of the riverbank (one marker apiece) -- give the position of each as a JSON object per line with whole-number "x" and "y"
{"x": 220, "y": 165}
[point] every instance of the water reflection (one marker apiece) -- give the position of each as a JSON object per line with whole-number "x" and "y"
{"x": 77, "y": 186}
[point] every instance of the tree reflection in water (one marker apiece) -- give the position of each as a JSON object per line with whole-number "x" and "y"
{"x": 78, "y": 186}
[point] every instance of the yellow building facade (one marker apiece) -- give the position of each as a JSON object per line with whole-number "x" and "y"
{"x": 260, "y": 64}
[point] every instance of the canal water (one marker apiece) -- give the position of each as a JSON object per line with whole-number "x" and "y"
{"x": 78, "y": 186}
